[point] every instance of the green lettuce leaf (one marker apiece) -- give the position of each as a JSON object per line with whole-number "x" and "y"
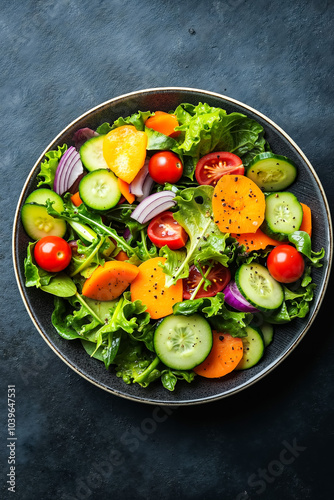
{"x": 46, "y": 176}
{"x": 205, "y": 129}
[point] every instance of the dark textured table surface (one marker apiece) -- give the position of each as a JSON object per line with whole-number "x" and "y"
{"x": 74, "y": 441}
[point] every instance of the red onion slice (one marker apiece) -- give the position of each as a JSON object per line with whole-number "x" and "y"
{"x": 147, "y": 186}
{"x": 234, "y": 299}
{"x": 82, "y": 135}
{"x": 153, "y": 205}
{"x": 136, "y": 186}
{"x": 68, "y": 170}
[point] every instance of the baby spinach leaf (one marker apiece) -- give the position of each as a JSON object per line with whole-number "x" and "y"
{"x": 110, "y": 351}
{"x": 59, "y": 284}
{"x": 90, "y": 348}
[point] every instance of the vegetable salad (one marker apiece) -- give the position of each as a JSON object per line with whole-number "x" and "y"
{"x": 170, "y": 243}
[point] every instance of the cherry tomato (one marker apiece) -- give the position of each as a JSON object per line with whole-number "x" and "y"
{"x": 52, "y": 253}
{"x": 165, "y": 166}
{"x": 211, "y": 167}
{"x": 164, "y": 230}
{"x": 219, "y": 276}
{"x": 285, "y": 264}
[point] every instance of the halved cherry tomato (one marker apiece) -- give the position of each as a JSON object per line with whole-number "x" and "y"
{"x": 285, "y": 264}
{"x": 164, "y": 230}
{"x": 211, "y": 167}
{"x": 219, "y": 276}
{"x": 52, "y": 253}
{"x": 165, "y": 166}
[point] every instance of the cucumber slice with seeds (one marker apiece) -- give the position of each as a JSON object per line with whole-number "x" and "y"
{"x": 272, "y": 172}
{"x": 99, "y": 190}
{"x": 258, "y": 287}
{"x": 91, "y": 154}
{"x": 183, "y": 342}
{"x": 40, "y": 196}
{"x": 38, "y": 223}
{"x": 283, "y": 215}
{"x": 253, "y": 348}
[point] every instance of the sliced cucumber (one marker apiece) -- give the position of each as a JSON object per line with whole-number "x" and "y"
{"x": 268, "y": 333}
{"x": 91, "y": 153}
{"x": 258, "y": 287}
{"x": 183, "y": 342}
{"x": 99, "y": 190}
{"x": 283, "y": 215}
{"x": 272, "y": 172}
{"x": 85, "y": 233}
{"x": 253, "y": 348}
{"x": 40, "y": 196}
{"x": 38, "y": 223}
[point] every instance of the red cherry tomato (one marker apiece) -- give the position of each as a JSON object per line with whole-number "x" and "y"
{"x": 165, "y": 166}
{"x": 211, "y": 167}
{"x": 52, "y": 253}
{"x": 164, "y": 230}
{"x": 219, "y": 277}
{"x": 285, "y": 264}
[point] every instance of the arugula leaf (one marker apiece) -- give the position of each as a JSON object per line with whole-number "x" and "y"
{"x": 46, "y": 176}
{"x": 205, "y": 241}
{"x": 81, "y": 214}
{"x": 145, "y": 252}
{"x": 88, "y": 256}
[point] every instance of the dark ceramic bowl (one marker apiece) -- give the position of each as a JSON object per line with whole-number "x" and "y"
{"x": 40, "y": 305}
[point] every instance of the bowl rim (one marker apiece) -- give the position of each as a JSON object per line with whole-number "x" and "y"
{"x": 274, "y": 363}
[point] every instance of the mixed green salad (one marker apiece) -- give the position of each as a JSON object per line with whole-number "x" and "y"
{"x": 170, "y": 243}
